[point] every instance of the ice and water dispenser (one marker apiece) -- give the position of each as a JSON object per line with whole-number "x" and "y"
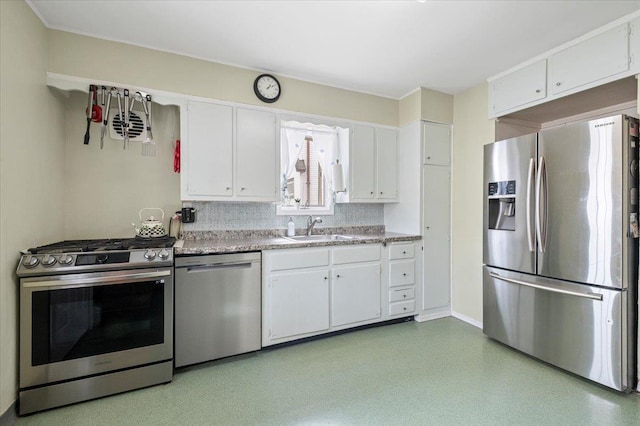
{"x": 502, "y": 205}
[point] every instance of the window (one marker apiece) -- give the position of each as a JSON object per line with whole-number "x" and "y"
{"x": 308, "y": 162}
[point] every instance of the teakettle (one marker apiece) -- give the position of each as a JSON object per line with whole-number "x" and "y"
{"x": 150, "y": 227}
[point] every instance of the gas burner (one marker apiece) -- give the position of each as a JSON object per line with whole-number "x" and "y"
{"x": 110, "y": 244}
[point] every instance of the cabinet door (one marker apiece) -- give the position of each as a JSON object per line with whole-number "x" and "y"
{"x": 209, "y": 150}
{"x": 386, "y": 164}
{"x": 355, "y": 294}
{"x": 297, "y": 303}
{"x": 436, "y": 208}
{"x": 518, "y": 88}
{"x": 437, "y": 143}
{"x": 362, "y": 163}
{"x": 634, "y": 45}
{"x": 586, "y": 62}
{"x": 256, "y": 151}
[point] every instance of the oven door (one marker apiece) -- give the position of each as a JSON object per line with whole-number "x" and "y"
{"x": 79, "y": 325}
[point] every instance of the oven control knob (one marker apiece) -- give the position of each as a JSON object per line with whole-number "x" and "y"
{"x": 65, "y": 259}
{"x": 150, "y": 255}
{"x": 30, "y": 261}
{"x": 164, "y": 254}
{"x": 102, "y": 258}
{"x": 48, "y": 260}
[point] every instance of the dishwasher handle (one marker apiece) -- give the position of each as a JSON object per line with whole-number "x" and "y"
{"x": 218, "y": 267}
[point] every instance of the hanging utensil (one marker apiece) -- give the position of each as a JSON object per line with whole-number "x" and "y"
{"x": 125, "y": 120}
{"x": 120, "y": 114}
{"x": 103, "y": 95}
{"x": 105, "y": 123}
{"x": 89, "y": 112}
{"x": 96, "y": 110}
{"x": 148, "y": 145}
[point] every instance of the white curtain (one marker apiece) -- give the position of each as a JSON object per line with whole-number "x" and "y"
{"x": 292, "y": 140}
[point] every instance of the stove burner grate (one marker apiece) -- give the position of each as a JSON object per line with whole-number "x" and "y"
{"x": 109, "y": 244}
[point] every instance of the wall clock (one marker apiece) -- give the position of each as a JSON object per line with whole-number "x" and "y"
{"x": 267, "y": 88}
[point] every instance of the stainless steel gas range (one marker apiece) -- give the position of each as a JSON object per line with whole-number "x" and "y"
{"x": 96, "y": 318}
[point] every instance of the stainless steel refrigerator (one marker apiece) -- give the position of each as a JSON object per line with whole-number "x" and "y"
{"x": 560, "y": 248}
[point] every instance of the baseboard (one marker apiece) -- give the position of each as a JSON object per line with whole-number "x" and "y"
{"x": 466, "y": 319}
{"x": 432, "y": 316}
{"x": 9, "y": 418}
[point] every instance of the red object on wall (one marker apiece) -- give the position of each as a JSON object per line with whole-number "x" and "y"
{"x": 176, "y": 157}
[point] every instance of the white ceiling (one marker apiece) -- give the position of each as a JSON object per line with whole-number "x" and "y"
{"x": 387, "y": 48}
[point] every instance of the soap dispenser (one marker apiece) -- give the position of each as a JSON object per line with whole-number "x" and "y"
{"x": 291, "y": 227}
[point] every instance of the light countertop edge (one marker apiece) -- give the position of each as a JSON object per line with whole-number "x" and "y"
{"x": 217, "y": 246}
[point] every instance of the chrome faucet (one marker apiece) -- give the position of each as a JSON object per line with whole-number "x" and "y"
{"x": 311, "y": 223}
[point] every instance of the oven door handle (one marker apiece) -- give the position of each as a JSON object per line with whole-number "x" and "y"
{"x": 101, "y": 280}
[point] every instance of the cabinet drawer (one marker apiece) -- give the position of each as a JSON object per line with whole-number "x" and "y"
{"x": 402, "y": 294}
{"x": 402, "y": 273}
{"x": 353, "y": 254}
{"x": 305, "y": 258}
{"x": 401, "y": 251}
{"x": 398, "y": 308}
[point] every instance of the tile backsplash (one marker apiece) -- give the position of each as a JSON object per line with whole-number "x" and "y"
{"x": 216, "y": 216}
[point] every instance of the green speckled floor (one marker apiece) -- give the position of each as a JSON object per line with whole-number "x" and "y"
{"x": 438, "y": 372}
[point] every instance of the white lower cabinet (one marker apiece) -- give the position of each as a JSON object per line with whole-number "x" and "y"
{"x": 402, "y": 279}
{"x": 299, "y": 303}
{"x": 355, "y": 294}
{"x": 310, "y": 291}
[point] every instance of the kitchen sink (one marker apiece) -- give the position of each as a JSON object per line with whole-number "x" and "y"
{"x": 331, "y": 237}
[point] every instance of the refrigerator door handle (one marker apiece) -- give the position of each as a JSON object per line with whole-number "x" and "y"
{"x": 530, "y": 223}
{"x": 541, "y": 212}
{"x": 593, "y": 296}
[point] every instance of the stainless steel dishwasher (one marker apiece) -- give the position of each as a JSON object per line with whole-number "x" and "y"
{"x": 217, "y": 306}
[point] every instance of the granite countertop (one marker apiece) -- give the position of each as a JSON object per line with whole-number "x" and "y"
{"x": 242, "y": 241}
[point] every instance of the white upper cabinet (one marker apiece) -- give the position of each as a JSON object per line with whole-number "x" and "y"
{"x": 594, "y": 59}
{"x": 437, "y": 144}
{"x": 634, "y": 45}
{"x": 386, "y": 164}
{"x": 606, "y": 55}
{"x": 225, "y": 159}
{"x": 209, "y": 151}
{"x": 256, "y": 150}
{"x": 373, "y": 165}
{"x": 363, "y": 163}
{"x": 519, "y": 88}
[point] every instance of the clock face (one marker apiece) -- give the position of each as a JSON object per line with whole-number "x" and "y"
{"x": 267, "y": 88}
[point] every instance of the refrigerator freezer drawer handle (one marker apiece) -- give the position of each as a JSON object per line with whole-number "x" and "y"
{"x": 530, "y": 231}
{"x": 594, "y": 296}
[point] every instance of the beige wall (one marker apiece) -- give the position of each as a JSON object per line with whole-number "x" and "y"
{"x": 32, "y": 163}
{"x": 409, "y": 108}
{"x": 436, "y": 106}
{"x": 88, "y": 57}
{"x": 425, "y": 104}
{"x": 471, "y": 130}
{"x": 105, "y": 189}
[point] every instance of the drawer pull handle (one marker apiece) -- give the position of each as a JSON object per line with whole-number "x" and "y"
{"x": 338, "y": 276}
{"x": 404, "y": 309}
{"x": 325, "y": 278}
{"x": 404, "y": 275}
{"x": 404, "y": 295}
